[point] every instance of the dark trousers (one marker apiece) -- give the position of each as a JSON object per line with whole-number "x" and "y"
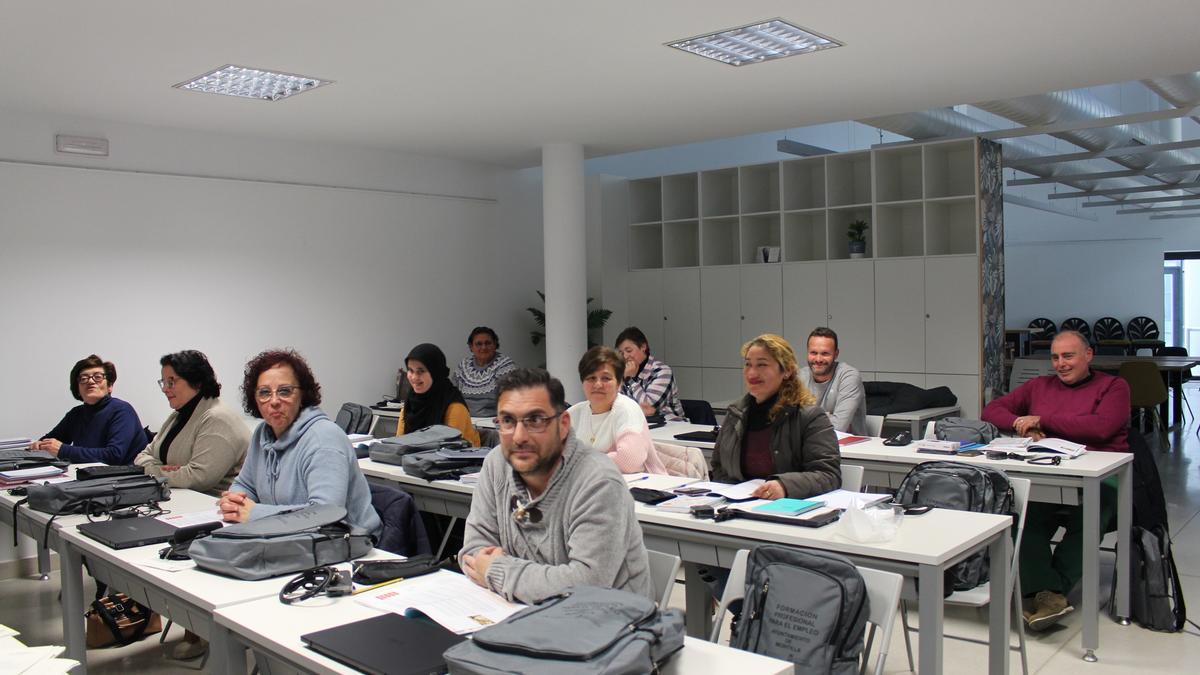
{"x": 1059, "y": 570}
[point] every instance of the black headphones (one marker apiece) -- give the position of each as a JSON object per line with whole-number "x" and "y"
{"x": 325, "y": 580}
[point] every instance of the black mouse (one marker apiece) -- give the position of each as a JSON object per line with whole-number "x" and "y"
{"x": 902, "y": 438}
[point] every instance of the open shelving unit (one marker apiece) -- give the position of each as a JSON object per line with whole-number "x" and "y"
{"x": 918, "y": 200}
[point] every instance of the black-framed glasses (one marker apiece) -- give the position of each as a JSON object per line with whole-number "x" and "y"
{"x": 1042, "y": 460}
{"x": 522, "y": 512}
{"x": 285, "y": 392}
{"x": 94, "y": 377}
{"x": 533, "y": 423}
{"x": 1045, "y": 460}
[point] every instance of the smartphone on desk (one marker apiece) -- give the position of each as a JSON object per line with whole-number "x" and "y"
{"x": 691, "y": 492}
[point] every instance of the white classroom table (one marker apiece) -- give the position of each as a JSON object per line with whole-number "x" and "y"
{"x": 1062, "y": 484}
{"x": 272, "y": 631}
{"x": 188, "y": 597}
{"x": 926, "y": 546}
{"x": 34, "y": 524}
{"x": 918, "y": 418}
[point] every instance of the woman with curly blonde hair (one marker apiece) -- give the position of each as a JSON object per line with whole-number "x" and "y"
{"x": 777, "y": 431}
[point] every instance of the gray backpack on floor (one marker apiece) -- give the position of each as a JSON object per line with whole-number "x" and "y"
{"x": 961, "y": 487}
{"x": 284, "y": 543}
{"x": 392, "y": 450}
{"x": 585, "y": 629}
{"x": 964, "y": 430}
{"x": 804, "y": 606}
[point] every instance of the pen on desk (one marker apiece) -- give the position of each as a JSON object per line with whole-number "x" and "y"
{"x": 634, "y": 480}
{"x": 379, "y": 585}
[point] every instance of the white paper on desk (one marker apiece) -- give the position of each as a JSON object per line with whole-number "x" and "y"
{"x": 450, "y": 599}
{"x": 844, "y": 499}
{"x": 734, "y": 493}
{"x": 31, "y": 473}
{"x": 194, "y": 518}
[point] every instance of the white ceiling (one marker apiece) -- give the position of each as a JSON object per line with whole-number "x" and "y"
{"x": 493, "y": 80}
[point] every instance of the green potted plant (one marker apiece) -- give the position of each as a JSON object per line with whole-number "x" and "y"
{"x": 857, "y": 234}
{"x": 596, "y": 318}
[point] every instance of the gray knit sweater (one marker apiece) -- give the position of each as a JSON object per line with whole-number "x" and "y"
{"x": 843, "y": 397}
{"x": 588, "y": 534}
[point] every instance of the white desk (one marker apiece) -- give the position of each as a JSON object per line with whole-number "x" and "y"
{"x": 1060, "y": 484}
{"x": 188, "y": 597}
{"x": 918, "y": 418}
{"x": 33, "y": 524}
{"x": 666, "y": 434}
{"x": 272, "y": 630}
{"x": 925, "y": 547}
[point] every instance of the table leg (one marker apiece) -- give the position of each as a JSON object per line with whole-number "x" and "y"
{"x": 1091, "y": 568}
{"x": 1177, "y": 386}
{"x": 929, "y": 648}
{"x": 999, "y": 621}
{"x": 71, "y": 574}
{"x": 1124, "y": 521}
{"x": 698, "y": 599}
{"x": 227, "y": 654}
{"x": 43, "y": 554}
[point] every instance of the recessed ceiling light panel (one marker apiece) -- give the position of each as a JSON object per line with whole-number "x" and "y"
{"x": 263, "y": 85}
{"x": 756, "y": 42}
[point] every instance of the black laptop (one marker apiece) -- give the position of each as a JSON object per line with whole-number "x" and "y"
{"x": 120, "y": 533}
{"x": 386, "y": 645}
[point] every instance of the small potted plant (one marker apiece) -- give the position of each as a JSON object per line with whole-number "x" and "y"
{"x": 856, "y": 233}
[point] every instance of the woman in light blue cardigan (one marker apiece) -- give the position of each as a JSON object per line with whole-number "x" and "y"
{"x": 297, "y": 456}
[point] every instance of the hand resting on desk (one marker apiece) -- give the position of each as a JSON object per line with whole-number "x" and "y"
{"x": 235, "y": 506}
{"x": 476, "y": 566}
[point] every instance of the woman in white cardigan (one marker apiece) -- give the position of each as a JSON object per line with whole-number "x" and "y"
{"x": 202, "y": 444}
{"x": 609, "y": 422}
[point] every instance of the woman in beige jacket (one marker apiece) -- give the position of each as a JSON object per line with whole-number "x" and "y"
{"x": 202, "y": 444}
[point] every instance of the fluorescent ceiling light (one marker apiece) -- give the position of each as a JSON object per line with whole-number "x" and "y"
{"x": 264, "y": 85}
{"x": 762, "y": 41}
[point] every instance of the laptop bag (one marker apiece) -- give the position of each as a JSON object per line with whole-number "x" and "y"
{"x": 585, "y": 629}
{"x": 283, "y": 543}
{"x": 392, "y": 450}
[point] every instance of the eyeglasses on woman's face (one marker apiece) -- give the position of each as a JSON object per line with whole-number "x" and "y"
{"x": 94, "y": 377}
{"x": 285, "y": 392}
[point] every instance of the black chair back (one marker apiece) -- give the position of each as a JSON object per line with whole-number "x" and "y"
{"x": 698, "y": 411}
{"x": 1142, "y": 328}
{"x": 1078, "y": 325}
{"x": 1108, "y": 328}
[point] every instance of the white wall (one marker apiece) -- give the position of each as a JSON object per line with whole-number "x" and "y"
{"x": 1121, "y": 278}
{"x": 133, "y": 265}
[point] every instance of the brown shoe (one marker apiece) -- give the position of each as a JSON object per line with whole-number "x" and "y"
{"x": 1048, "y": 608}
{"x": 189, "y": 647}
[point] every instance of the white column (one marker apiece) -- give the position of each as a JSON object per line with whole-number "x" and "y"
{"x": 564, "y": 237}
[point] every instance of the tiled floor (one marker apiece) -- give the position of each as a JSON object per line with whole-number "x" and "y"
{"x": 31, "y": 606}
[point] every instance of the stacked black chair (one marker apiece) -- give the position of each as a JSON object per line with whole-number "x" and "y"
{"x": 1042, "y": 332}
{"x": 1109, "y": 336}
{"x": 1079, "y": 326}
{"x": 1143, "y": 334}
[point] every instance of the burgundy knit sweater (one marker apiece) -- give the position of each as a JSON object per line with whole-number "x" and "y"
{"x": 1094, "y": 412}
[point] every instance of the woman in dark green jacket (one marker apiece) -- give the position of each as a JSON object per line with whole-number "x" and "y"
{"x": 776, "y": 431}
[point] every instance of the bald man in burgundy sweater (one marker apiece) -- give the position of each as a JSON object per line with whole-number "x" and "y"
{"x": 1079, "y": 405}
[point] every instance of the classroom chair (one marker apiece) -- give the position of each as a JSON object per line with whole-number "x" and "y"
{"x": 1147, "y": 391}
{"x": 852, "y": 477}
{"x": 981, "y": 594}
{"x": 883, "y": 596}
{"x": 664, "y": 568}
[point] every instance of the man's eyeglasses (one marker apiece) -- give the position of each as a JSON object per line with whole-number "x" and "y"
{"x": 1048, "y": 460}
{"x": 168, "y": 383}
{"x": 94, "y": 377}
{"x": 533, "y": 423}
{"x": 285, "y": 392}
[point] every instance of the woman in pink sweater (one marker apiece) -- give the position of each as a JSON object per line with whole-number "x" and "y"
{"x": 609, "y": 422}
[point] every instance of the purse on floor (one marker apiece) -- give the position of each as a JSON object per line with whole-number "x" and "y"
{"x": 116, "y": 619}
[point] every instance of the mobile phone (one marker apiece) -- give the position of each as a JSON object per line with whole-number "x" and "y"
{"x": 970, "y": 453}
{"x": 691, "y": 492}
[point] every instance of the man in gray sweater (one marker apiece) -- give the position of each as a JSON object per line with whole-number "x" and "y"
{"x": 837, "y": 386}
{"x": 549, "y": 512}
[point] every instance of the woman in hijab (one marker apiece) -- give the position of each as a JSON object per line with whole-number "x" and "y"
{"x": 433, "y": 399}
